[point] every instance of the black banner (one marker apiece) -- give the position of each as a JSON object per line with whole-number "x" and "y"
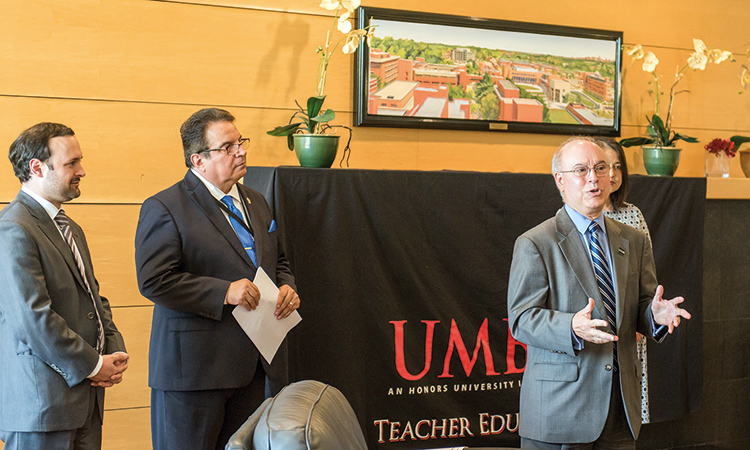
{"x": 403, "y": 278}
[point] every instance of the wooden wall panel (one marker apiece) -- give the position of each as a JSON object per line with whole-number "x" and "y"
{"x": 131, "y": 150}
{"x": 152, "y": 51}
{"x": 136, "y": 52}
{"x": 133, "y": 392}
{"x": 124, "y": 75}
{"x": 710, "y": 98}
{"x": 115, "y": 57}
{"x": 110, "y": 231}
{"x": 667, "y": 23}
{"x": 138, "y": 152}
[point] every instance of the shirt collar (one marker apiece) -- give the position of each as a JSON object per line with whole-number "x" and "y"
{"x": 582, "y": 222}
{"x": 51, "y": 209}
{"x": 217, "y": 193}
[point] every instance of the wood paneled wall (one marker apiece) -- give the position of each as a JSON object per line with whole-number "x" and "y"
{"x": 124, "y": 74}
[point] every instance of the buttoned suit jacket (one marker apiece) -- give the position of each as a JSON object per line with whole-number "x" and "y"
{"x": 47, "y": 323}
{"x": 565, "y": 393}
{"x": 187, "y": 254}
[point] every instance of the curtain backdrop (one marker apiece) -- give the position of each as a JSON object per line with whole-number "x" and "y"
{"x": 403, "y": 278}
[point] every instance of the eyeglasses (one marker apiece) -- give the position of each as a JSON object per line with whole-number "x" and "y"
{"x": 600, "y": 170}
{"x": 617, "y": 167}
{"x": 231, "y": 149}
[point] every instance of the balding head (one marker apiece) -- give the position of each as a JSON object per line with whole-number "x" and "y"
{"x": 587, "y": 190}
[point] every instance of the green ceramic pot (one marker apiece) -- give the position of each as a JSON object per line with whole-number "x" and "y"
{"x": 661, "y": 161}
{"x": 315, "y": 150}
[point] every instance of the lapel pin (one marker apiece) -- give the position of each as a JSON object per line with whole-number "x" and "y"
{"x": 620, "y": 251}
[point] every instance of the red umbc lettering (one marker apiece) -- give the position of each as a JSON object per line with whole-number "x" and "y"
{"x": 455, "y": 342}
{"x": 510, "y": 354}
{"x": 400, "y": 360}
{"x": 483, "y": 340}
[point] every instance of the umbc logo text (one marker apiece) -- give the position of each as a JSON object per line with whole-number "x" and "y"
{"x": 456, "y": 343}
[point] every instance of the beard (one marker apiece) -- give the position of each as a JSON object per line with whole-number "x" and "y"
{"x": 73, "y": 191}
{"x": 62, "y": 191}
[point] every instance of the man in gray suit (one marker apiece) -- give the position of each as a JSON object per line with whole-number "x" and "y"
{"x": 580, "y": 388}
{"x": 59, "y": 348}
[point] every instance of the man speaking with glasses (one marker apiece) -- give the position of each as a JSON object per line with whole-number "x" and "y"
{"x": 197, "y": 246}
{"x": 580, "y": 287}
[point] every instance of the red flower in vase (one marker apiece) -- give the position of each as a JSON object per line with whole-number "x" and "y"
{"x": 717, "y": 146}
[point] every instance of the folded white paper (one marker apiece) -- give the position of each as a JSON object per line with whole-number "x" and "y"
{"x": 261, "y": 325}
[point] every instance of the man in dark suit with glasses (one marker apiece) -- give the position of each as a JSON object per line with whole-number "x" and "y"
{"x": 198, "y": 245}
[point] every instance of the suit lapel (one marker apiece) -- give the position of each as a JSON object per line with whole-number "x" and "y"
{"x": 619, "y": 248}
{"x": 208, "y": 204}
{"x": 83, "y": 250}
{"x": 253, "y": 219}
{"x": 49, "y": 228}
{"x": 578, "y": 258}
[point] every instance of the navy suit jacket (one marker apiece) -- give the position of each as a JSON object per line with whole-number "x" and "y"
{"x": 186, "y": 255}
{"x": 47, "y": 323}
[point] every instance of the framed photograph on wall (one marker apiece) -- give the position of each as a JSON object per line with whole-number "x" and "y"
{"x": 424, "y": 70}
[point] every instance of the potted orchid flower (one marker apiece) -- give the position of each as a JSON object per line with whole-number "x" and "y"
{"x": 308, "y": 132}
{"x": 660, "y": 156}
{"x": 745, "y": 74}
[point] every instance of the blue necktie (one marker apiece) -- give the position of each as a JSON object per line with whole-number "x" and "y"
{"x": 604, "y": 280}
{"x": 245, "y": 237}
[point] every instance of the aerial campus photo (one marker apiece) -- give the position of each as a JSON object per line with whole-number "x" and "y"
{"x": 437, "y": 71}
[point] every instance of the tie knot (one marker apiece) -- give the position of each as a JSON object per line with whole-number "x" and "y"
{"x": 227, "y": 200}
{"x": 61, "y": 219}
{"x": 593, "y": 228}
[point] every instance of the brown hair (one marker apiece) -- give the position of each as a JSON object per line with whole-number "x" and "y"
{"x": 33, "y": 143}
{"x": 618, "y": 197}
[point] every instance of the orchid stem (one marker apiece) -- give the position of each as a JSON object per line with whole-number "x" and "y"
{"x": 678, "y": 76}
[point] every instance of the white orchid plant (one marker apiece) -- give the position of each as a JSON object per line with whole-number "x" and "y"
{"x": 313, "y": 119}
{"x": 351, "y": 38}
{"x": 745, "y": 74}
{"x": 660, "y": 131}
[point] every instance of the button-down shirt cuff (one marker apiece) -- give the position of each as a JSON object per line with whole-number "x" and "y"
{"x": 577, "y": 341}
{"x": 660, "y": 331}
{"x": 97, "y": 368}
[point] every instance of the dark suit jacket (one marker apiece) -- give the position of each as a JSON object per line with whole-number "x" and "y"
{"x": 186, "y": 255}
{"x": 565, "y": 393}
{"x": 47, "y": 323}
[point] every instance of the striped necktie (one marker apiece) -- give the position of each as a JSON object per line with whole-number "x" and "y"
{"x": 604, "y": 281}
{"x": 245, "y": 237}
{"x": 62, "y": 222}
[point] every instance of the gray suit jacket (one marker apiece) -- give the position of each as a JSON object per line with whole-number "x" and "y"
{"x": 47, "y": 323}
{"x": 565, "y": 393}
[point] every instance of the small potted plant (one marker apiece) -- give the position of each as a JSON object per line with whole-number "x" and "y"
{"x": 718, "y": 153}
{"x": 308, "y": 132}
{"x": 737, "y": 141}
{"x": 660, "y": 155}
